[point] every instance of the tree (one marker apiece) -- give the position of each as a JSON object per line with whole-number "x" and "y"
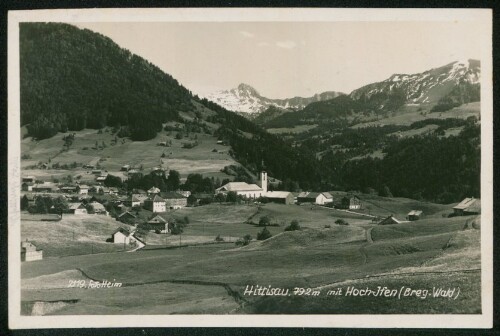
{"x": 294, "y": 226}
{"x": 264, "y": 234}
{"x": 340, "y": 221}
{"x": 113, "y": 181}
{"x": 232, "y": 197}
{"x": 264, "y": 221}
{"x": 220, "y": 198}
{"x": 24, "y": 202}
{"x": 173, "y": 180}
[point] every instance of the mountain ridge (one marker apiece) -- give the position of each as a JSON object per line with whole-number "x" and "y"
{"x": 246, "y": 99}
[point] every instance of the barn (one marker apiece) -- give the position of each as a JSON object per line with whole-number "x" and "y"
{"x": 122, "y": 236}
{"x": 29, "y": 252}
{"x": 314, "y": 197}
{"x": 282, "y": 197}
{"x": 414, "y": 215}
{"x": 77, "y": 209}
{"x": 469, "y": 206}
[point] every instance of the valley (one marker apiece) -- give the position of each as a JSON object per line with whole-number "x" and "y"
{"x": 184, "y": 201}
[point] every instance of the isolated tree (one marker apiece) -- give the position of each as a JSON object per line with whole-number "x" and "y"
{"x": 24, "y": 202}
{"x": 232, "y": 197}
{"x": 294, "y": 226}
{"x": 173, "y": 180}
{"x": 264, "y": 234}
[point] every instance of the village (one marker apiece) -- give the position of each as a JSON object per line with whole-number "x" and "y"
{"x": 151, "y": 210}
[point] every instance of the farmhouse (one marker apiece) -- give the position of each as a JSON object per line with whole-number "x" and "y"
{"x": 469, "y": 206}
{"x": 27, "y": 186}
{"x": 29, "y": 252}
{"x": 174, "y": 200}
{"x": 314, "y": 197}
{"x": 158, "y": 223}
{"x": 122, "y": 236}
{"x": 389, "y": 220}
{"x": 153, "y": 191}
{"x": 351, "y": 203}
{"x": 125, "y": 168}
{"x": 77, "y": 209}
{"x": 83, "y": 189}
{"x": 414, "y": 215}
{"x": 155, "y": 204}
{"x": 283, "y": 197}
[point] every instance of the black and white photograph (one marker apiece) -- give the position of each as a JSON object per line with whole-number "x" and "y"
{"x": 250, "y": 167}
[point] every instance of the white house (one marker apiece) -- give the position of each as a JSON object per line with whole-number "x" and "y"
{"x": 83, "y": 189}
{"x": 122, "y": 236}
{"x": 156, "y": 204}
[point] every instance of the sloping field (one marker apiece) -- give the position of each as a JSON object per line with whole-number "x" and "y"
{"x": 112, "y": 156}
{"x": 72, "y": 235}
{"x": 418, "y": 228}
{"x": 310, "y": 258}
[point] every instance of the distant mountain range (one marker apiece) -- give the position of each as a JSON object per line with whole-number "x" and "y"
{"x": 423, "y": 88}
{"x": 435, "y": 90}
{"x": 247, "y": 100}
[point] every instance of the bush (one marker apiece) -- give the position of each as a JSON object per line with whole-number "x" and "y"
{"x": 264, "y": 234}
{"x": 219, "y": 238}
{"x": 244, "y": 241}
{"x": 264, "y": 221}
{"x": 327, "y": 226}
{"x": 294, "y": 226}
{"x": 341, "y": 222}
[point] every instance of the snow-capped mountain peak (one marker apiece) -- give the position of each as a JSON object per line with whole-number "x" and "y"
{"x": 244, "y": 98}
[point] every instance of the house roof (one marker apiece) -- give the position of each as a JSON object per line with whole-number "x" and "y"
{"x": 307, "y": 194}
{"x": 172, "y": 195}
{"x": 277, "y": 194}
{"x": 74, "y": 206}
{"x": 158, "y": 199}
{"x": 415, "y": 213}
{"x": 157, "y": 219}
{"x": 126, "y": 213}
{"x": 240, "y": 186}
{"x": 202, "y": 195}
{"x": 83, "y": 186}
{"x": 469, "y": 204}
{"x": 122, "y": 230}
{"x": 327, "y": 195}
{"x": 390, "y": 218}
{"x": 139, "y": 197}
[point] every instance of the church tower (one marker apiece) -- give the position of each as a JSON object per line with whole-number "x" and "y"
{"x": 263, "y": 182}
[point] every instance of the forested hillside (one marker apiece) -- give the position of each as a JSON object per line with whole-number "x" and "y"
{"x": 73, "y": 79}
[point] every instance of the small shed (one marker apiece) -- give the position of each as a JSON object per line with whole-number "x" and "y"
{"x": 122, "y": 236}
{"x": 389, "y": 220}
{"x": 351, "y": 203}
{"x": 414, "y": 215}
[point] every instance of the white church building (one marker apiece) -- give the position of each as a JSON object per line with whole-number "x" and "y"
{"x": 244, "y": 189}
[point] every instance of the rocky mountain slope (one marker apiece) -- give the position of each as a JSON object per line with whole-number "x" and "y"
{"x": 247, "y": 100}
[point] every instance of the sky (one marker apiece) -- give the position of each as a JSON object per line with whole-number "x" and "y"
{"x": 288, "y": 59}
